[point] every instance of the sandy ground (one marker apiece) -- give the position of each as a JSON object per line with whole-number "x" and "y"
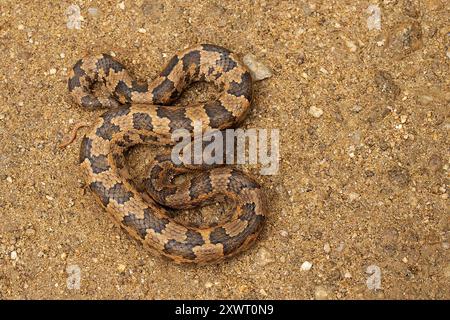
{"x": 363, "y": 118}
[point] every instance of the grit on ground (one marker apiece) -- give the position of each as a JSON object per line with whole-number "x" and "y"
{"x": 359, "y": 207}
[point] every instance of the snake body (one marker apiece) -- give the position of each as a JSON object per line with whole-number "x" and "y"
{"x": 141, "y": 113}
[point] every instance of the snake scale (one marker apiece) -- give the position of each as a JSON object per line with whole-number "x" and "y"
{"x": 144, "y": 113}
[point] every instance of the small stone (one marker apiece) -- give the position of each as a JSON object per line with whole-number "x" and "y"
{"x": 321, "y": 293}
{"x": 20, "y": 27}
{"x": 142, "y": 30}
{"x": 263, "y": 292}
{"x": 405, "y": 39}
{"x": 315, "y": 112}
{"x": 405, "y": 260}
{"x": 352, "y": 196}
{"x": 9, "y": 179}
{"x": 208, "y": 285}
{"x": 374, "y": 20}
{"x": 49, "y": 198}
{"x": 121, "y": 5}
{"x": 93, "y": 12}
{"x": 327, "y": 248}
{"x": 258, "y": 70}
{"x": 264, "y": 257}
{"x": 74, "y": 17}
{"x": 350, "y": 45}
{"x": 347, "y": 275}
{"x": 62, "y": 55}
{"x": 63, "y": 256}
{"x": 13, "y": 255}
{"x": 306, "y": 266}
{"x": 403, "y": 118}
{"x": 52, "y": 71}
{"x": 284, "y": 233}
{"x": 356, "y": 108}
{"x": 121, "y": 268}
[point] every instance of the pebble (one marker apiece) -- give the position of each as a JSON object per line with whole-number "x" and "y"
{"x": 386, "y": 84}
{"x": 121, "y": 268}
{"x": 263, "y": 292}
{"x": 405, "y": 38}
{"x": 306, "y": 266}
{"x": 264, "y": 257}
{"x": 20, "y": 27}
{"x": 121, "y": 5}
{"x": 52, "y": 71}
{"x": 321, "y": 293}
{"x": 49, "y": 198}
{"x": 403, "y": 118}
{"x": 257, "y": 69}
{"x": 350, "y": 44}
{"x": 142, "y": 30}
{"x": 284, "y": 233}
{"x": 208, "y": 285}
{"x": 62, "y": 55}
{"x": 93, "y": 11}
{"x": 74, "y": 17}
{"x": 315, "y": 112}
{"x": 356, "y": 108}
{"x": 9, "y": 179}
{"x": 327, "y": 248}
{"x": 347, "y": 275}
{"x": 374, "y": 20}
{"x": 13, "y": 255}
{"x": 352, "y": 196}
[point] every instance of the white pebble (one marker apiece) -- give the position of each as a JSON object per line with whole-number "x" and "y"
{"x": 13, "y": 255}
{"x": 52, "y": 71}
{"x": 20, "y": 27}
{"x": 403, "y": 118}
{"x": 353, "y": 196}
{"x": 306, "y": 266}
{"x": 327, "y": 248}
{"x": 142, "y": 30}
{"x": 321, "y": 293}
{"x": 121, "y": 5}
{"x": 315, "y": 112}
{"x": 374, "y": 20}
{"x": 62, "y": 55}
{"x": 347, "y": 275}
{"x": 208, "y": 285}
{"x": 257, "y": 69}
{"x": 74, "y": 17}
{"x": 9, "y": 179}
{"x": 284, "y": 233}
{"x": 93, "y": 11}
{"x": 121, "y": 268}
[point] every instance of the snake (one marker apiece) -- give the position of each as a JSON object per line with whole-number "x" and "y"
{"x": 145, "y": 112}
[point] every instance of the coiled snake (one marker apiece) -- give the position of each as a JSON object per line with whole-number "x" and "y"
{"x": 141, "y": 113}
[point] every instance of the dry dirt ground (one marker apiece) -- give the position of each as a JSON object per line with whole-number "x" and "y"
{"x": 359, "y": 208}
